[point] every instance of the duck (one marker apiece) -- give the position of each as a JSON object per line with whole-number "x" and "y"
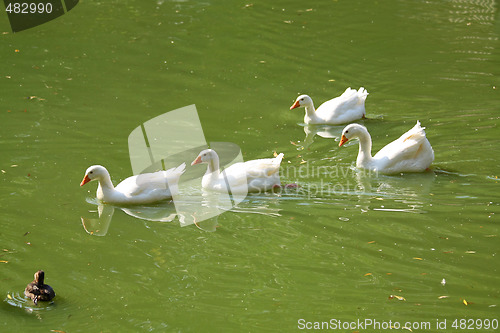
{"x": 145, "y": 188}
{"x": 251, "y": 176}
{"x": 38, "y": 290}
{"x": 346, "y": 108}
{"x": 412, "y": 152}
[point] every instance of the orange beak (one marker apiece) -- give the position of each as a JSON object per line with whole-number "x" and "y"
{"x": 295, "y": 105}
{"x": 85, "y": 180}
{"x": 343, "y": 140}
{"x": 197, "y": 161}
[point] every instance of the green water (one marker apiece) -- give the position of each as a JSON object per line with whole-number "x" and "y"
{"x": 73, "y": 89}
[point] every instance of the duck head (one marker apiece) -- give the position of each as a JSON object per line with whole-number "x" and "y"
{"x": 94, "y": 172}
{"x": 39, "y": 277}
{"x": 302, "y": 100}
{"x": 351, "y": 131}
{"x": 205, "y": 156}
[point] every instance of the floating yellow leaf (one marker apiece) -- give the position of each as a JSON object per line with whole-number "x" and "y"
{"x": 399, "y": 298}
{"x": 4, "y": 261}
{"x": 367, "y": 274}
{"x": 9, "y": 297}
{"x": 417, "y": 258}
{"x": 371, "y": 242}
{"x": 465, "y": 302}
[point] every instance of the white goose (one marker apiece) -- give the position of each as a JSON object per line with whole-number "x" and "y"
{"x": 140, "y": 189}
{"x": 250, "y": 176}
{"x": 346, "y": 108}
{"x": 412, "y": 152}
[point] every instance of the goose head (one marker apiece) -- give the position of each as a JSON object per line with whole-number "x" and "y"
{"x": 302, "y": 100}
{"x": 94, "y": 172}
{"x": 206, "y": 156}
{"x": 352, "y": 131}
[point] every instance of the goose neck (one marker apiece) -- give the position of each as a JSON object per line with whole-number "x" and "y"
{"x": 310, "y": 110}
{"x": 213, "y": 165}
{"x": 105, "y": 187}
{"x": 365, "y": 148}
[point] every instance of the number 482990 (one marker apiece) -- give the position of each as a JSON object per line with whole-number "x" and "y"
{"x": 478, "y": 324}
{"x": 29, "y": 8}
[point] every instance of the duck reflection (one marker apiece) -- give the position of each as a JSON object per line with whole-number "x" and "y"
{"x": 98, "y": 226}
{"x": 324, "y": 131}
{"x": 202, "y": 210}
{"x": 403, "y": 193}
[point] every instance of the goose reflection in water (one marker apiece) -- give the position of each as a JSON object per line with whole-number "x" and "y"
{"x": 324, "y": 131}
{"x": 402, "y": 193}
{"x": 201, "y": 210}
{"x": 99, "y": 226}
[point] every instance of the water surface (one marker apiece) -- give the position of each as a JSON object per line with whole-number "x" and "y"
{"x": 338, "y": 247}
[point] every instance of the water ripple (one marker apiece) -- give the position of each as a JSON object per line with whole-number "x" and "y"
{"x": 20, "y": 301}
